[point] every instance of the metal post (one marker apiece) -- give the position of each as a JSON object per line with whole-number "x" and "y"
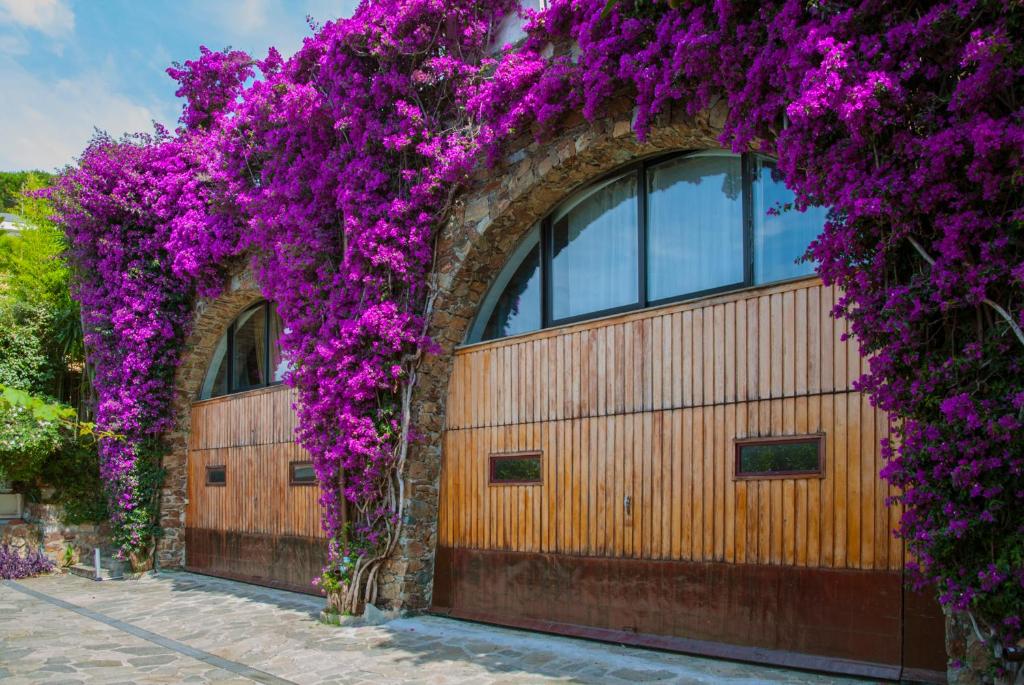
{"x": 96, "y": 561}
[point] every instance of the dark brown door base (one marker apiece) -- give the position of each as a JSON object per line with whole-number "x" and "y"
{"x": 715, "y": 650}
{"x": 840, "y": 621}
{"x": 278, "y": 561}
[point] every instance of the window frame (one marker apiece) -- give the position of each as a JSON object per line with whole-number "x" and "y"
{"x": 291, "y": 473}
{"x": 640, "y": 169}
{"x": 495, "y": 457}
{"x": 216, "y": 467}
{"x": 740, "y": 443}
{"x": 229, "y": 354}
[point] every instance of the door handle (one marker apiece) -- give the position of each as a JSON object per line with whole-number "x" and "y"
{"x": 627, "y": 504}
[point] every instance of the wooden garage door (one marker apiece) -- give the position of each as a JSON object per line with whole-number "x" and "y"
{"x": 256, "y": 526}
{"x": 639, "y": 531}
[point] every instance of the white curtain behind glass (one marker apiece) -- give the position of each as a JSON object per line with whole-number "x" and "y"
{"x": 695, "y": 225}
{"x": 595, "y": 252}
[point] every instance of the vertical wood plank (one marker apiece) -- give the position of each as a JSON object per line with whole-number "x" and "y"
{"x": 814, "y": 509}
{"x": 801, "y": 344}
{"x": 869, "y": 477}
{"x": 729, "y": 482}
{"x": 697, "y": 484}
{"x": 686, "y": 467}
{"x": 669, "y": 489}
{"x": 709, "y": 485}
{"x": 650, "y": 495}
{"x": 840, "y": 495}
{"x": 678, "y": 492}
{"x": 718, "y": 348}
{"x": 777, "y": 337}
{"x": 828, "y": 484}
{"x": 764, "y": 348}
{"x": 686, "y": 327}
{"x": 729, "y": 352}
{"x": 708, "y": 346}
{"x": 853, "y": 490}
{"x": 657, "y": 364}
{"x": 697, "y": 360}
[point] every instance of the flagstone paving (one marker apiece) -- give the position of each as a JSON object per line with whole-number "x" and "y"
{"x": 181, "y": 627}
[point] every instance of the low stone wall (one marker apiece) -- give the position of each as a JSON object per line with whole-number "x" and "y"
{"x": 41, "y": 527}
{"x": 21, "y": 535}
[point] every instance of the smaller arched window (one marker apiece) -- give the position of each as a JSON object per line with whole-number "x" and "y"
{"x": 666, "y": 229}
{"x": 248, "y": 355}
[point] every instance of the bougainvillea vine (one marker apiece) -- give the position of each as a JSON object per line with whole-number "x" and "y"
{"x": 335, "y": 167}
{"x": 358, "y": 143}
{"x": 124, "y": 208}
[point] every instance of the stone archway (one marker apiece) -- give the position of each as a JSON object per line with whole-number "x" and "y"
{"x": 492, "y": 218}
{"x": 211, "y": 318}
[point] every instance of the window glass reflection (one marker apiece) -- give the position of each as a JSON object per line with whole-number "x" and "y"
{"x": 712, "y": 221}
{"x": 249, "y": 355}
{"x": 695, "y": 225}
{"x": 781, "y": 233}
{"x": 594, "y": 247}
{"x": 517, "y": 309}
{"x": 302, "y": 473}
{"x": 798, "y": 456}
{"x": 216, "y": 382}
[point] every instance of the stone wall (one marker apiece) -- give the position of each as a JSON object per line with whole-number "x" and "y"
{"x": 41, "y": 527}
{"x": 486, "y": 225}
{"x": 212, "y": 316}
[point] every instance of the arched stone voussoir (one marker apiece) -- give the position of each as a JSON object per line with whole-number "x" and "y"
{"x": 211, "y": 317}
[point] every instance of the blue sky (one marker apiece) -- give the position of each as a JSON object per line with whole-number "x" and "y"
{"x": 70, "y": 66}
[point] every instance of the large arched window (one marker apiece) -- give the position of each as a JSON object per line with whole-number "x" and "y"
{"x": 248, "y": 355}
{"x": 667, "y": 229}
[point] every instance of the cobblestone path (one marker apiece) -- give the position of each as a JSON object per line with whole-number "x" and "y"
{"x": 185, "y": 628}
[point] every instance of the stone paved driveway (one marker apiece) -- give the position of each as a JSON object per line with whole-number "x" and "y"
{"x": 180, "y": 627}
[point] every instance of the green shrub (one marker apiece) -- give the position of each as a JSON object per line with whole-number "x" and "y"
{"x": 74, "y": 473}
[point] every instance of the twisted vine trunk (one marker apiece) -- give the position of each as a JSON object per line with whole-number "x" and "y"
{"x": 365, "y": 584}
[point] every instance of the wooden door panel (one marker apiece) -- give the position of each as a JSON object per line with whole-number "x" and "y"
{"x": 258, "y": 526}
{"x": 639, "y": 530}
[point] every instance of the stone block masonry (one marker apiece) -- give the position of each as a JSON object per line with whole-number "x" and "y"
{"x": 42, "y": 527}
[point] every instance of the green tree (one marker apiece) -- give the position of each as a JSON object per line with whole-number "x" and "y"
{"x": 12, "y": 183}
{"x": 42, "y": 361}
{"x": 35, "y": 302}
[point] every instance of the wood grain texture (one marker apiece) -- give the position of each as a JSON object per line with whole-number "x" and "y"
{"x": 768, "y": 343}
{"x": 636, "y": 417}
{"x": 251, "y": 435}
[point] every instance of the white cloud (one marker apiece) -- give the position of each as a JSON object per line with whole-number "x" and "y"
{"x": 13, "y": 44}
{"x": 255, "y": 25}
{"x": 46, "y": 123}
{"x": 250, "y": 16}
{"x": 52, "y": 17}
